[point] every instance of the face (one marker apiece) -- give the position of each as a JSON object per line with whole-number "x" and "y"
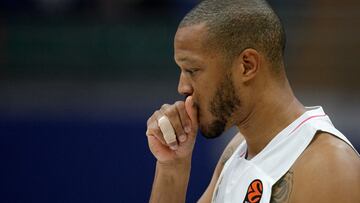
{"x": 208, "y": 78}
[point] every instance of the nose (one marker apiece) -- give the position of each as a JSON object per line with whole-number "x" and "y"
{"x": 184, "y": 87}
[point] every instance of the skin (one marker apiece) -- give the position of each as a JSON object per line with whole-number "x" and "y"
{"x": 261, "y": 105}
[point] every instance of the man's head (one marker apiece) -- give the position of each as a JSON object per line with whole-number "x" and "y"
{"x": 220, "y": 46}
{"x": 234, "y": 25}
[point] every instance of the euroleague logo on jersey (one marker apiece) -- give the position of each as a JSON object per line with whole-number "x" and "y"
{"x": 254, "y": 192}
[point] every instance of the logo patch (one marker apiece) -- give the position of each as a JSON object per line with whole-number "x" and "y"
{"x": 254, "y": 192}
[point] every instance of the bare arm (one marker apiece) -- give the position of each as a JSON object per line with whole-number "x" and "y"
{"x": 328, "y": 171}
{"x": 173, "y": 159}
{"x": 170, "y": 183}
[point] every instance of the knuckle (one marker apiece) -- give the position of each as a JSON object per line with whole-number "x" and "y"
{"x": 154, "y": 131}
{"x": 179, "y": 103}
{"x": 149, "y": 120}
{"x": 152, "y": 118}
{"x": 158, "y": 112}
{"x": 165, "y": 106}
{"x": 170, "y": 112}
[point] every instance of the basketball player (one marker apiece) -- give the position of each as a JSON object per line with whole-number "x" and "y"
{"x": 230, "y": 53}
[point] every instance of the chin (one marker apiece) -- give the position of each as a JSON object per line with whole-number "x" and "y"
{"x": 213, "y": 130}
{"x": 209, "y": 136}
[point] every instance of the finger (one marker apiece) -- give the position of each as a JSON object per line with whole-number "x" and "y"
{"x": 184, "y": 119}
{"x": 175, "y": 121}
{"x": 192, "y": 112}
{"x": 172, "y": 143}
{"x": 168, "y": 132}
{"x": 153, "y": 128}
{"x": 154, "y": 131}
{"x": 174, "y": 118}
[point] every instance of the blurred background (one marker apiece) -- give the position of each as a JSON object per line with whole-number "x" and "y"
{"x": 79, "y": 78}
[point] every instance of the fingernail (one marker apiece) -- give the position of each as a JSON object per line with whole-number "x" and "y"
{"x": 187, "y": 129}
{"x": 173, "y": 147}
{"x": 182, "y": 138}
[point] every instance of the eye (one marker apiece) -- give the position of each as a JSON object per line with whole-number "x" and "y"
{"x": 191, "y": 71}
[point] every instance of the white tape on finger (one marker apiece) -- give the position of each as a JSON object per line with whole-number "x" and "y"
{"x": 167, "y": 129}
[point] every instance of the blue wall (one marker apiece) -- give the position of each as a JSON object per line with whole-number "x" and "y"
{"x": 85, "y": 161}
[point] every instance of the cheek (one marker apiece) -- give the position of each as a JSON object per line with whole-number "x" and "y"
{"x": 204, "y": 90}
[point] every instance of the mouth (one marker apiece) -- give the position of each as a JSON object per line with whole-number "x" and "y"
{"x": 208, "y": 129}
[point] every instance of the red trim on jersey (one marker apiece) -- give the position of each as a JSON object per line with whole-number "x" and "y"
{"x": 243, "y": 154}
{"x": 311, "y": 117}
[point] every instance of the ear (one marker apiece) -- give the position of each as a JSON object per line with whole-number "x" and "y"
{"x": 249, "y": 63}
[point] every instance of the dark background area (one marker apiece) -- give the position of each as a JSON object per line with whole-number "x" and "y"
{"x": 78, "y": 80}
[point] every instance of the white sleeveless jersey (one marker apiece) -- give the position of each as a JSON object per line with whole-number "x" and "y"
{"x": 250, "y": 181}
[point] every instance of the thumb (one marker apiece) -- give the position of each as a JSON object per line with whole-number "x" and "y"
{"x": 192, "y": 111}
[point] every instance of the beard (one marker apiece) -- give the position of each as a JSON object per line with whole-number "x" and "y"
{"x": 222, "y": 106}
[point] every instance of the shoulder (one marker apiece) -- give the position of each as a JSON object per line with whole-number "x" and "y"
{"x": 326, "y": 150}
{"x": 328, "y": 170}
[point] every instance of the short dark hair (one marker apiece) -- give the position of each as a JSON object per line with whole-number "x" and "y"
{"x": 235, "y": 25}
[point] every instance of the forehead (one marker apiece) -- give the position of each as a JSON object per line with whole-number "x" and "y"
{"x": 190, "y": 42}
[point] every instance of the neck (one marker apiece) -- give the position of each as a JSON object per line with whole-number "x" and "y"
{"x": 272, "y": 112}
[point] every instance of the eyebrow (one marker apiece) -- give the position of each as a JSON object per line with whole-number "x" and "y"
{"x": 182, "y": 59}
{"x": 185, "y": 59}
